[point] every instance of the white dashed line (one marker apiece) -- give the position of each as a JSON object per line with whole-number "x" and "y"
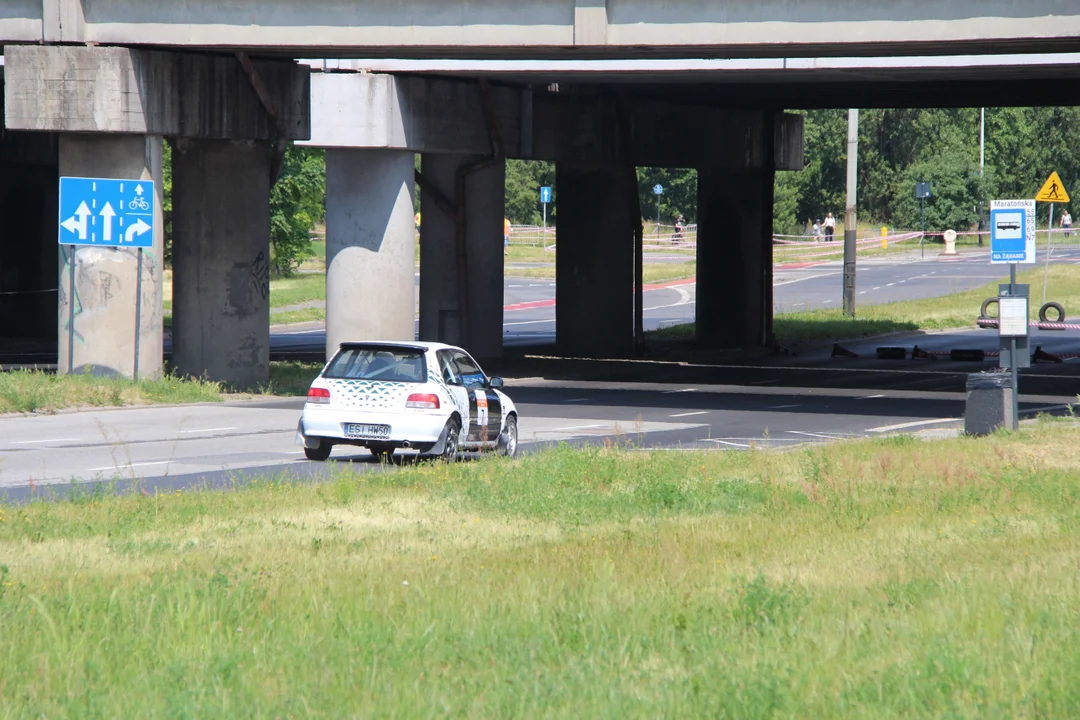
{"x": 130, "y": 465}
{"x": 871, "y": 397}
{"x": 904, "y": 426}
{"x": 579, "y": 427}
{"x": 690, "y": 414}
{"x": 206, "y": 430}
{"x": 41, "y": 442}
{"x": 784, "y": 407}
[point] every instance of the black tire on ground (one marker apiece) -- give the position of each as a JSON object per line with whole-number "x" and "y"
{"x": 986, "y": 306}
{"x": 1052, "y": 306}
{"x": 319, "y": 454}
{"x": 508, "y": 440}
{"x": 452, "y": 432}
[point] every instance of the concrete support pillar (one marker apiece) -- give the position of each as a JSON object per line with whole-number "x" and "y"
{"x": 221, "y": 260}
{"x": 370, "y": 246}
{"x": 594, "y": 270}
{"x": 734, "y": 258}
{"x": 104, "y": 296}
{"x": 443, "y": 275}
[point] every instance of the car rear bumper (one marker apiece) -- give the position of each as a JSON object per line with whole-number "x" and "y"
{"x": 406, "y": 429}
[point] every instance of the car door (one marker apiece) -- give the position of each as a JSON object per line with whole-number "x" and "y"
{"x": 483, "y": 401}
{"x": 451, "y": 378}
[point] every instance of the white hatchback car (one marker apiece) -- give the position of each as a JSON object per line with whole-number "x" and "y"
{"x": 429, "y": 397}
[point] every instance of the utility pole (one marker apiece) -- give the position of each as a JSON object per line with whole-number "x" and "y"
{"x": 982, "y": 162}
{"x": 850, "y": 221}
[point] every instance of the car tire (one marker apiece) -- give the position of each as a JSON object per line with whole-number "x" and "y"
{"x": 319, "y": 454}
{"x": 508, "y": 439}
{"x": 1052, "y": 306}
{"x": 452, "y": 434}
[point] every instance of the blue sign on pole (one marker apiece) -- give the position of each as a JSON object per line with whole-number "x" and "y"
{"x": 658, "y": 190}
{"x": 106, "y": 212}
{"x": 1012, "y": 231}
{"x": 545, "y": 194}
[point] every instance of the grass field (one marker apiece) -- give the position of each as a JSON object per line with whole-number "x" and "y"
{"x": 887, "y": 578}
{"x": 24, "y": 391}
{"x": 941, "y": 313}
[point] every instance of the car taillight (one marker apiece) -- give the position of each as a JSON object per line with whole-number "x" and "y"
{"x": 318, "y": 396}
{"x": 423, "y": 401}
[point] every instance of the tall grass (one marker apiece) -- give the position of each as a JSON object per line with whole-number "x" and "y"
{"x": 888, "y": 578}
{"x": 33, "y": 391}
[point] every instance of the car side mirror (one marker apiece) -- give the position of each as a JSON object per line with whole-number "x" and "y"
{"x": 495, "y": 383}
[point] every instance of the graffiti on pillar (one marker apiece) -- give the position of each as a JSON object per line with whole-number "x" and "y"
{"x": 260, "y": 275}
{"x": 66, "y": 315}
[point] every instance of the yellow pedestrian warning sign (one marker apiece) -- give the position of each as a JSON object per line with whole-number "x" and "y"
{"x": 1053, "y": 191}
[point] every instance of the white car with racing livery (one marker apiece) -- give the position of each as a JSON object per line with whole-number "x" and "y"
{"x": 429, "y": 397}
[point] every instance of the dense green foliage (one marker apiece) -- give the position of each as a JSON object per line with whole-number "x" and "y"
{"x": 297, "y": 204}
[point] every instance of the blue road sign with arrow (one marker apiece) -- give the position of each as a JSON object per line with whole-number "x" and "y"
{"x": 545, "y": 194}
{"x": 106, "y": 212}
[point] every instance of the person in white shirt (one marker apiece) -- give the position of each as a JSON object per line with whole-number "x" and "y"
{"x": 830, "y": 227}
{"x": 1066, "y": 223}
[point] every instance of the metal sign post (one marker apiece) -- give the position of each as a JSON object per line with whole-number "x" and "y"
{"x": 658, "y": 190}
{"x": 71, "y": 310}
{"x": 545, "y": 198}
{"x": 922, "y": 191}
{"x": 1012, "y": 241}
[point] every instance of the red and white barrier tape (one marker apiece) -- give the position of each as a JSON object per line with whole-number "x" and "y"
{"x": 993, "y": 323}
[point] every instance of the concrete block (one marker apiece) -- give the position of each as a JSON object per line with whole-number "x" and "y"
{"x": 106, "y": 278}
{"x": 221, "y": 261}
{"x": 370, "y": 246}
{"x": 121, "y": 90}
{"x": 989, "y": 404}
{"x": 440, "y": 312}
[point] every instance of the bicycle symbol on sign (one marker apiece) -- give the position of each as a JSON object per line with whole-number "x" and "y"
{"x": 138, "y": 204}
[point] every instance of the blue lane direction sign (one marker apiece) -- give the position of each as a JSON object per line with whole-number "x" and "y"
{"x": 658, "y": 190}
{"x": 1012, "y": 231}
{"x": 545, "y": 194}
{"x": 106, "y": 212}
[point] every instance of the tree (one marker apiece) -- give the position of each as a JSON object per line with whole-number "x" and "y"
{"x": 297, "y": 204}
{"x": 680, "y": 193}
{"x": 524, "y": 178}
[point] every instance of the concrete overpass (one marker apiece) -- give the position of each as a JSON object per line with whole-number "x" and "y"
{"x": 554, "y": 28}
{"x": 93, "y": 87}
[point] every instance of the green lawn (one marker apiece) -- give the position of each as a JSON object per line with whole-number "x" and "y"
{"x": 889, "y": 578}
{"x": 32, "y": 391}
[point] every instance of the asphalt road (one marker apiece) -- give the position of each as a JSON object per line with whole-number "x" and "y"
{"x": 218, "y": 445}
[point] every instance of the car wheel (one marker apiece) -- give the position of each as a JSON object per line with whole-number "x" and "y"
{"x": 453, "y": 434}
{"x": 319, "y": 454}
{"x": 508, "y": 441}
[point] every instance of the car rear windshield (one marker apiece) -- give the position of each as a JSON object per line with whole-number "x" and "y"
{"x": 378, "y": 363}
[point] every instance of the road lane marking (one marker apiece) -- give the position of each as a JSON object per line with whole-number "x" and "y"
{"x": 673, "y": 392}
{"x": 130, "y": 465}
{"x": 577, "y": 400}
{"x": 871, "y": 397}
{"x": 40, "y": 442}
{"x": 731, "y": 444}
{"x": 690, "y": 414}
{"x": 206, "y": 430}
{"x": 784, "y": 407}
{"x": 878, "y": 287}
{"x": 823, "y": 436}
{"x": 578, "y": 427}
{"x": 530, "y": 322}
{"x": 917, "y": 423}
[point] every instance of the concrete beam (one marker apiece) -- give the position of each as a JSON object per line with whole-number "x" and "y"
{"x": 387, "y": 112}
{"x": 564, "y": 28}
{"x": 63, "y": 21}
{"x": 119, "y": 90}
{"x": 596, "y": 130}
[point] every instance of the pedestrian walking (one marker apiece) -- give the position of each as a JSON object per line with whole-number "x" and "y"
{"x": 830, "y": 227}
{"x": 1066, "y": 223}
{"x": 507, "y": 227}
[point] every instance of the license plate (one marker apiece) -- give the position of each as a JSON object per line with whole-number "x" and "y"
{"x": 361, "y": 430}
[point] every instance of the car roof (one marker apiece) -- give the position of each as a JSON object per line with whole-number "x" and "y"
{"x": 414, "y": 345}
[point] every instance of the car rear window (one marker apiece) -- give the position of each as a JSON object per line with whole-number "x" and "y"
{"x": 386, "y": 364}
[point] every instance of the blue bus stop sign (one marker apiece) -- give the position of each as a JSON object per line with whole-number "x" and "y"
{"x": 1012, "y": 231}
{"x": 106, "y": 212}
{"x": 545, "y": 194}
